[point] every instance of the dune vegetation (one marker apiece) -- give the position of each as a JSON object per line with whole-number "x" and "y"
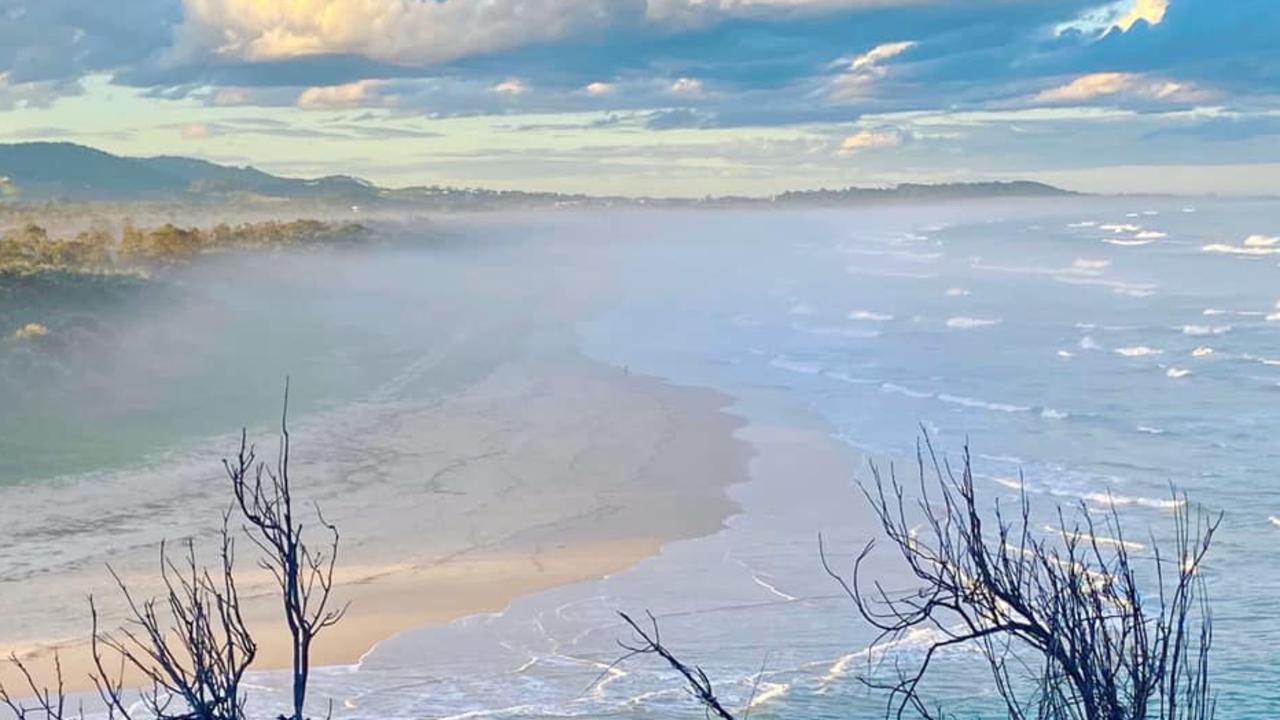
{"x": 32, "y": 249}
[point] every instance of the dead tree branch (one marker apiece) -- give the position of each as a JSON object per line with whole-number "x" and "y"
{"x": 303, "y": 573}
{"x": 1070, "y": 625}
{"x": 49, "y": 703}
{"x": 192, "y": 645}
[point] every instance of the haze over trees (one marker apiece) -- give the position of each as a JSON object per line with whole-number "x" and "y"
{"x": 30, "y": 249}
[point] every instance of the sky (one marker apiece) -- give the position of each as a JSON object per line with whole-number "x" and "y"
{"x": 664, "y": 97}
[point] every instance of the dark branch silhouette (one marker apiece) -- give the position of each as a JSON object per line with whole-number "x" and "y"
{"x": 1069, "y": 625}
{"x": 49, "y": 703}
{"x": 303, "y": 573}
{"x": 191, "y": 646}
{"x": 649, "y": 642}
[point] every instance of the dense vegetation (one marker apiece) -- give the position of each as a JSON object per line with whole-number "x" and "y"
{"x": 31, "y": 249}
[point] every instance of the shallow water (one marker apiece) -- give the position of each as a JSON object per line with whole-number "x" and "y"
{"x": 1097, "y": 346}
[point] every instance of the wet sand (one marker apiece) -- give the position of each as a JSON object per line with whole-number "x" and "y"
{"x": 552, "y": 470}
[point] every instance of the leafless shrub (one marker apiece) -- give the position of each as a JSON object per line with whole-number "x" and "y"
{"x": 303, "y": 573}
{"x": 649, "y": 642}
{"x": 47, "y": 703}
{"x": 191, "y": 646}
{"x": 1069, "y": 625}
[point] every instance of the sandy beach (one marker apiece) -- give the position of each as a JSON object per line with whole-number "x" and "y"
{"x": 550, "y": 471}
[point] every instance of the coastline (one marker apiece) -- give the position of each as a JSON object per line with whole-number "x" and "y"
{"x": 549, "y": 472}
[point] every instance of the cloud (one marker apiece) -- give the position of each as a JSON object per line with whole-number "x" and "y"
{"x": 232, "y": 96}
{"x": 510, "y": 87}
{"x": 1148, "y": 11}
{"x": 1111, "y": 84}
{"x": 863, "y": 71}
{"x": 349, "y": 95}
{"x": 35, "y": 94}
{"x": 598, "y": 88}
{"x": 869, "y": 140}
{"x": 878, "y": 53}
{"x": 687, "y": 87}
{"x": 53, "y": 42}
{"x": 393, "y": 31}
{"x": 195, "y": 131}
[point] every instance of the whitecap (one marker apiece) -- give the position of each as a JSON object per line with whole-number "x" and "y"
{"x": 896, "y": 389}
{"x": 1133, "y": 292}
{"x": 1138, "y": 351}
{"x": 1120, "y": 228}
{"x": 1099, "y": 539}
{"x": 1202, "y": 351}
{"x": 1087, "y": 264}
{"x": 982, "y": 404}
{"x": 1188, "y": 209}
{"x": 1149, "y": 213}
{"x": 1274, "y": 317}
{"x": 796, "y": 366}
{"x": 868, "y": 315}
{"x": 1127, "y": 243}
{"x": 1088, "y": 343}
{"x": 1066, "y": 354}
{"x": 1150, "y": 430}
{"x": 1205, "y": 329}
{"x": 1083, "y": 224}
{"x": 1177, "y": 373}
{"x": 1108, "y": 498}
{"x": 969, "y": 323}
{"x": 1009, "y": 482}
{"x": 1274, "y": 520}
{"x": 850, "y": 379}
{"x": 1261, "y": 240}
{"x": 1257, "y": 359}
{"x": 956, "y": 292}
{"x": 1051, "y": 414}
{"x": 1150, "y": 235}
{"x": 1239, "y": 250}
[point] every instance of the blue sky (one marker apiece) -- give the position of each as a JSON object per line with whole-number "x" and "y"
{"x": 665, "y": 97}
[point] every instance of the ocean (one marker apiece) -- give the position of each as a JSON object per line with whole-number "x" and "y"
{"x": 1095, "y": 350}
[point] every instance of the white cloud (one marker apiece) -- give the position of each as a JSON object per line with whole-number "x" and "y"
{"x": 863, "y": 71}
{"x": 869, "y": 140}
{"x": 329, "y": 97}
{"x": 1112, "y": 84}
{"x": 599, "y": 88}
{"x": 880, "y": 52}
{"x": 688, "y": 87}
{"x": 510, "y": 87}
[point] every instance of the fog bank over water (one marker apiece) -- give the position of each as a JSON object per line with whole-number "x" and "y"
{"x": 1102, "y": 347}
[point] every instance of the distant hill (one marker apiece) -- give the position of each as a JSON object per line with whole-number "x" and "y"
{"x": 65, "y": 171}
{"x": 43, "y": 171}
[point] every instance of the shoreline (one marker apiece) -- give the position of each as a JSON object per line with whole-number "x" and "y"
{"x": 605, "y": 460}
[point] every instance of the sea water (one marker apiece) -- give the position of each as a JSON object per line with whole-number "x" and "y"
{"x": 1090, "y": 350}
{"x": 1096, "y": 351}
